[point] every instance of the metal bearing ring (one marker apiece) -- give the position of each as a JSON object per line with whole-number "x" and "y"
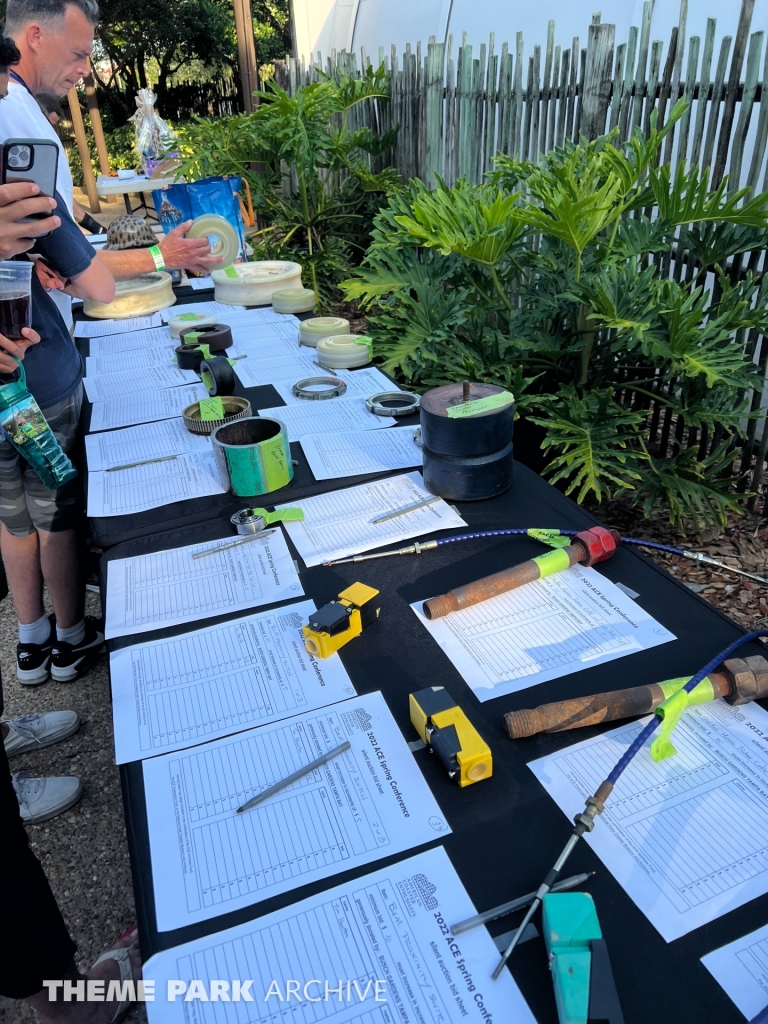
{"x": 403, "y": 403}
{"x": 246, "y": 521}
{"x": 333, "y": 387}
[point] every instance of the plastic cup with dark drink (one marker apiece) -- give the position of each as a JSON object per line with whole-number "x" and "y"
{"x": 15, "y": 301}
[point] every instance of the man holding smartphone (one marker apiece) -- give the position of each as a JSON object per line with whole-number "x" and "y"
{"x": 55, "y": 38}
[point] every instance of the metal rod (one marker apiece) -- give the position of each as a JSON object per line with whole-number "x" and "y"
{"x": 541, "y": 892}
{"x": 234, "y": 543}
{"x": 405, "y": 508}
{"x": 522, "y": 901}
{"x": 143, "y": 462}
{"x": 412, "y": 549}
{"x": 294, "y": 777}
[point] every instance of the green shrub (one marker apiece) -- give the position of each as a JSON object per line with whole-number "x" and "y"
{"x": 554, "y": 280}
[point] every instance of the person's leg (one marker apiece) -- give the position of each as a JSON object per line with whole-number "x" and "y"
{"x": 61, "y": 563}
{"x": 21, "y": 558}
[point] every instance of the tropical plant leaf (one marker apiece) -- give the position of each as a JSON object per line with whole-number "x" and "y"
{"x": 688, "y": 199}
{"x": 594, "y": 437}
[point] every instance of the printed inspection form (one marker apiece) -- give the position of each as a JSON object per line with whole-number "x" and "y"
{"x": 157, "y": 337}
{"x": 144, "y": 407}
{"x": 543, "y": 630}
{"x": 388, "y": 927}
{"x": 367, "y": 803}
{"x": 151, "y": 378}
{"x": 687, "y": 837}
{"x": 139, "y": 444}
{"x": 334, "y": 414}
{"x": 166, "y": 588}
{"x": 136, "y": 359}
{"x": 360, "y": 384}
{"x": 339, "y": 523}
{"x": 99, "y": 328}
{"x": 741, "y": 970}
{"x": 153, "y": 484}
{"x": 331, "y": 456}
{"x": 175, "y": 693}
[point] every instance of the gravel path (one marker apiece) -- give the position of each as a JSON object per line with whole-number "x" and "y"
{"x": 84, "y": 851}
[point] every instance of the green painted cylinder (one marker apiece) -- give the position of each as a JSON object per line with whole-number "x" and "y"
{"x": 253, "y": 455}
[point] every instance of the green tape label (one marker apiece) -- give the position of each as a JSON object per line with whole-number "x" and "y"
{"x": 671, "y": 709}
{"x": 479, "y": 405}
{"x": 207, "y": 378}
{"x": 280, "y": 515}
{"x": 552, "y": 562}
{"x": 211, "y": 409}
{"x": 365, "y": 340}
{"x": 552, "y": 538}
{"x": 230, "y": 272}
{"x": 205, "y": 349}
{"x": 190, "y": 316}
{"x": 278, "y": 468}
{"x": 191, "y": 337}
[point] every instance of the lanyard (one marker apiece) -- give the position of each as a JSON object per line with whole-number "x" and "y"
{"x": 20, "y": 81}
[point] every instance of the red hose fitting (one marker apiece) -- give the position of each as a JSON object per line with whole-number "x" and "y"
{"x": 598, "y": 544}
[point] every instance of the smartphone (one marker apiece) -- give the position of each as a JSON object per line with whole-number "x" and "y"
{"x": 30, "y": 160}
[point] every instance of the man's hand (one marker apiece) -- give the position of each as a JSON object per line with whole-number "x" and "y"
{"x": 15, "y": 348}
{"x": 48, "y": 278}
{"x": 17, "y": 201}
{"x": 180, "y": 253}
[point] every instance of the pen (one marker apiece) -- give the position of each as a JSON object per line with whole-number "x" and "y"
{"x": 294, "y": 776}
{"x": 406, "y": 508}
{"x": 143, "y": 462}
{"x": 233, "y": 544}
{"x": 518, "y": 904}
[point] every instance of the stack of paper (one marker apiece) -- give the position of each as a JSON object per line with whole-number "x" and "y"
{"x": 97, "y": 328}
{"x": 129, "y": 382}
{"x": 334, "y": 414}
{"x": 138, "y": 488}
{"x": 144, "y": 407}
{"x": 547, "y": 629}
{"x": 339, "y": 523}
{"x": 373, "y": 950}
{"x": 166, "y": 588}
{"x": 331, "y": 456}
{"x": 173, "y": 694}
{"x": 156, "y": 337}
{"x": 141, "y": 444}
{"x": 207, "y": 860}
{"x": 134, "y": 360}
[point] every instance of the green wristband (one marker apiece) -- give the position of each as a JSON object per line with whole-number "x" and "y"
{"x": 157, "y": 256}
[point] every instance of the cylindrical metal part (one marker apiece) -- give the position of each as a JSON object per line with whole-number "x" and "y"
{"x": 189, "y": 357}
{"x": 466, "y": 457}
{"x": 491, "y": 586}
{"x": 602, "y": 707}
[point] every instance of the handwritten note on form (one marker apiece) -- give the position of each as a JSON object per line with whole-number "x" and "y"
{"x": 386, "y": 926}
{"x": 172, "y": 694}
{"x": 686, "y": 837}
{"x": 339, "y": 524}
{"x": 366, "y": 804}
{"x": 741, "y": 969}
{"x": 151, "y": 378}
{"x": 166, "y": 588}
{"x": 147, "y": 441}
{"x": 144, "y": 407}
{"x": 331, "y": 456}
{"x": 125, "y": 491}
{"x": 543, "y": 630}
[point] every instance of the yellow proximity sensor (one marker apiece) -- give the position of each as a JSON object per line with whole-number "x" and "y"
{"x": 335, "y": 624}
{"x": 448, "y": 732}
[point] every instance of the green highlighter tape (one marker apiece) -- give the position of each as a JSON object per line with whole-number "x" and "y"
{"x": 253, "y": 455}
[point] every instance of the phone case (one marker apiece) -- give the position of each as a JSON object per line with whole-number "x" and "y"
{"x": 44, "y": 163}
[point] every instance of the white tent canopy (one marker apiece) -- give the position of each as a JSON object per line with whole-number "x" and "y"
{"x": 328, "y": 25}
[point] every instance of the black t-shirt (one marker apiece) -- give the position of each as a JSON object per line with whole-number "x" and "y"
{"x": 54, "y": 368}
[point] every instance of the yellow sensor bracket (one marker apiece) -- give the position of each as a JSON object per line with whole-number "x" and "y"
{"x": 335, "y": 624}
{"x": 448, "y": 732}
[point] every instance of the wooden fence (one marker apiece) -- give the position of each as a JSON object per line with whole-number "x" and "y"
{"x": 456, "y": 111}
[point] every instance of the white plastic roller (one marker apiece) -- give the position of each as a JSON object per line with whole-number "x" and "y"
{"x": 254, "y": 284}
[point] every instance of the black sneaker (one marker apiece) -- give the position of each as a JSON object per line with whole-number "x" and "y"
{"x": 68, "y": 661}
{"x": 33, "y": 660}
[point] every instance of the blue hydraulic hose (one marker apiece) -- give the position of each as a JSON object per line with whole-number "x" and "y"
{"x": 564, "y": 533}
{"x": 694, "y": 681}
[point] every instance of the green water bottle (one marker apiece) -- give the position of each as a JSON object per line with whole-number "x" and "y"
{"x": 28, "y": 431}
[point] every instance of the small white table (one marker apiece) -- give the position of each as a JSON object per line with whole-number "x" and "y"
{"x": 139, "y": 184}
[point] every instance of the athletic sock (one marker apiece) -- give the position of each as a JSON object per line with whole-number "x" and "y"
{"x": 73, "y": 635}
{"x": 35, "y": 632}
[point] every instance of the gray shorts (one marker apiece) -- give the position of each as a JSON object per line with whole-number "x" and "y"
{"x": 26, "y": 505}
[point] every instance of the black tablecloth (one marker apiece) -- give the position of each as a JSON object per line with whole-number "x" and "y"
{"x": 106, "y": 531}
{"x": 506, "y": 830}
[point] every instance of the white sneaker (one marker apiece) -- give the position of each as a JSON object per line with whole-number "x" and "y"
{"x": 41, "y": 799}
{"x": 33, "y": 732}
